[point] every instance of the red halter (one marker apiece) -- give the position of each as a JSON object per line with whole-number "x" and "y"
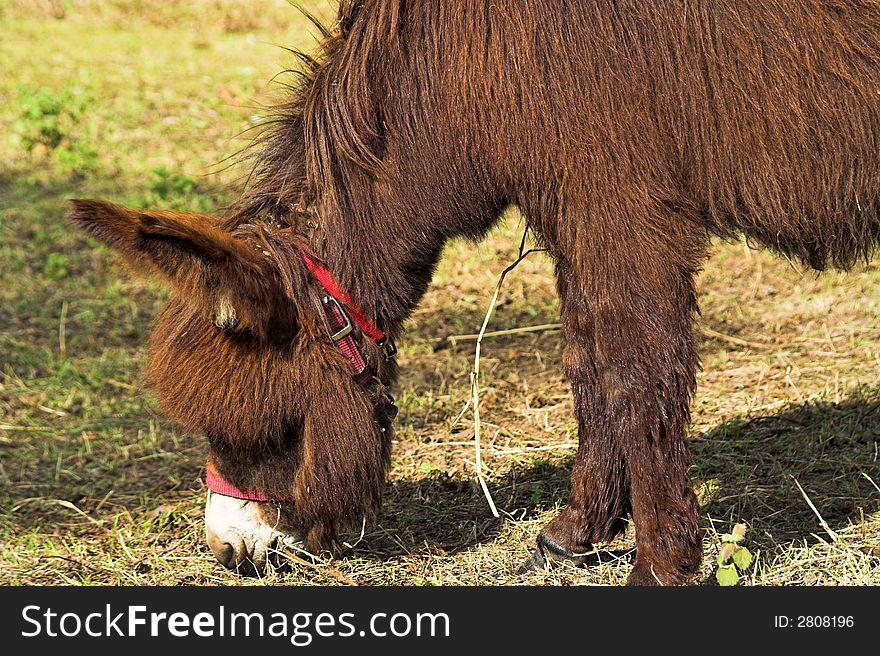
{"x": 334, "y": 303}
{"x": 329, "y": 283}
{"x": 219, "y": 485}
{"x": 339, "y": 311}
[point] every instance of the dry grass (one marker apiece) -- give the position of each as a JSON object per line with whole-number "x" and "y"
{"x": 96, "y": 488}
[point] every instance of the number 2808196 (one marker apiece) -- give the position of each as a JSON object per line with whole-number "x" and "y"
{"x": 814, "y": 622}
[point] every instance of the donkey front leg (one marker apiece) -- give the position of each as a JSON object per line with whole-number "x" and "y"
{"x": 599, "y": 500}
{"x": 628, "y": 311}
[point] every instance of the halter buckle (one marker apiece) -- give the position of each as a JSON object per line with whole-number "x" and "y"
{"x": 389, "y": 348}
{"x": 347, "y": 329}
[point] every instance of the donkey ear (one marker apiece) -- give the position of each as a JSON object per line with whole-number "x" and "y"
{"x": 233, "y": 282}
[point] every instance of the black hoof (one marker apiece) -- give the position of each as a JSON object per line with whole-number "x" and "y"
{"x": 537, "y": 562}
{"x": 547, "y": 553}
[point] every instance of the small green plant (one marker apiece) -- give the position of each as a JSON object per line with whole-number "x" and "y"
{"x": 175, "y": 191}
{"x": 52, "y": 122}
{"x": 733, "y": 558}
{"x": 77, "y": 157}
{"x": 57, "y": 267}
{"x": 166, "y": 185}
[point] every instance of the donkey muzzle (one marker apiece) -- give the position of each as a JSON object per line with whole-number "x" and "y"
{"x": 241, "y": 537}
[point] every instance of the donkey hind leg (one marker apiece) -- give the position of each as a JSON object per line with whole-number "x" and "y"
{"x": 631, "y": 358}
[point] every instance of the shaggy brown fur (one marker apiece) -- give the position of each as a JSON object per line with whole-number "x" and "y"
{"x": 628, "y": 132}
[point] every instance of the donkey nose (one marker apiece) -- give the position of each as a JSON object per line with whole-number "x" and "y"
{"x": 223, "y": 551}
{"x": 238, "y": 553}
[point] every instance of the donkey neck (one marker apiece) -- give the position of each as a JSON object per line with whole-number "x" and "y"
{"x": 384, "y": 268}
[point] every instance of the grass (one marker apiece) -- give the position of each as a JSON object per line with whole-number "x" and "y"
{"x": 140, "y": 103}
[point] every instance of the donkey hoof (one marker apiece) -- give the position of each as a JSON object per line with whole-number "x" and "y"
{"x": 537, "y": 562}
{"x": 644, "y": 574}
{"x": 549, "y": 553}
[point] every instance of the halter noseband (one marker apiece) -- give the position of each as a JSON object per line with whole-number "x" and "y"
{"x": 341, "y": 315}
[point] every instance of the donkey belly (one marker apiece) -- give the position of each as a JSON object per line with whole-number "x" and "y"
{"x": 834, "y": 230}
{"x": 797, "y": 170}
{"x": 813, "y": 194}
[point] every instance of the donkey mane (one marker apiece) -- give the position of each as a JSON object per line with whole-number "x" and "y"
{"x": 329, "y": 123}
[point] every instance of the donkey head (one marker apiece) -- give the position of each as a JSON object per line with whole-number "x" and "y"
{"x": 242, "y": 355}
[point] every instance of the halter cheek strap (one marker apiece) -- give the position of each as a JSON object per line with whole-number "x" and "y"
{"x": 341, "y": 314}
{"x": 329, "y": 283}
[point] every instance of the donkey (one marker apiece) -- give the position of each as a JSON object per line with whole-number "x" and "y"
{"x": 627, "y": 132}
